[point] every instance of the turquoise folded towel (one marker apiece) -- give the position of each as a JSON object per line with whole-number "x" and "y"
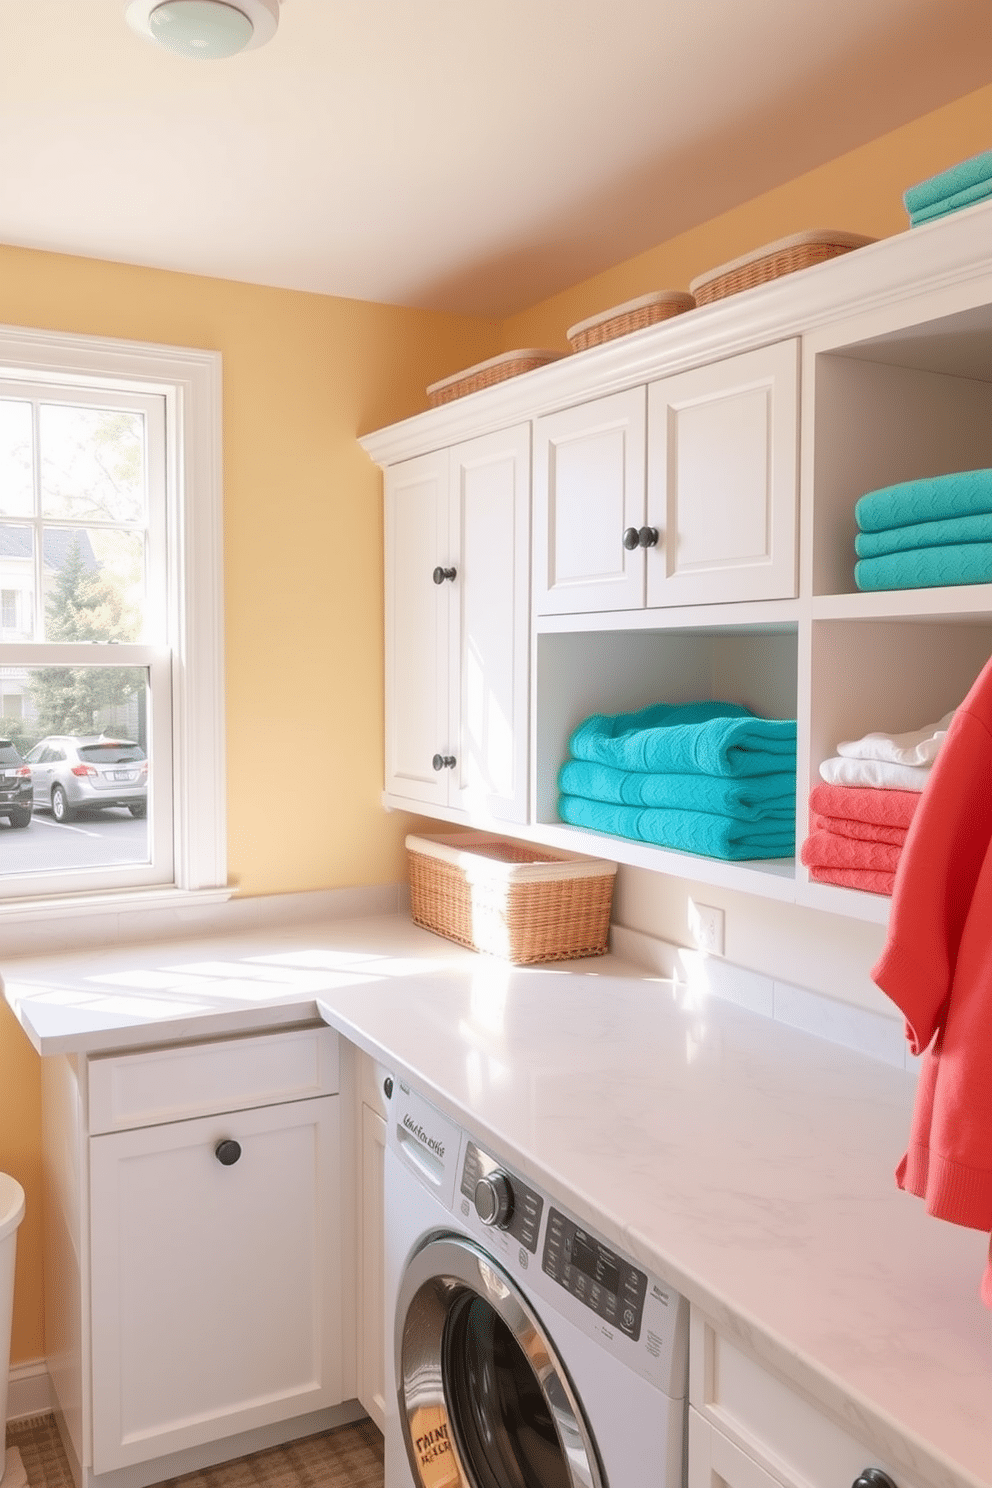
{"x": 686, "y": 831}
{"x": 927, "y": 568}
{"x": 970, "y": 172}
{"x": 706, "y": 738}
{"x": 963, "y": 493}
{"x": 925, "y": 535}
{"x": 948, "y": 204}
{"x": 756, "y": 798}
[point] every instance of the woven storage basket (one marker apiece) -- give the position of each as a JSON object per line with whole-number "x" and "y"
{"x": 800, "y": 251}
{"x": 522, "y": 903}
{"x": 484, "y": 374}
{"x": 633, "y": 316}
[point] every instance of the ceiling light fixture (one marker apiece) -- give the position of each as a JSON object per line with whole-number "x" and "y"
{"x": 205, "y": 28}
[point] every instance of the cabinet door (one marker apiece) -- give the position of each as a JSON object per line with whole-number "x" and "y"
{"x": 723, "y": 480}
{"x": 215, "y": 1288}
{"x": 417, "y": 635}
{"x": 372, "y": 1303}
{"x": 588, "y": 489}
{"x": 489, "y": 646}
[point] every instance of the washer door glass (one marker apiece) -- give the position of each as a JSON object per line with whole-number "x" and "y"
{"x": 484, "y": 1399}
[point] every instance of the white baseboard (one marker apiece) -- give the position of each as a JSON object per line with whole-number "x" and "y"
{"x": 858, "y": 1028}
{"x": 29, "y": 1390}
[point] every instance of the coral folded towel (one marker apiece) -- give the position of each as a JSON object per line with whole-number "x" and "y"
{"x": 830, "y": 850}
{"x": 936, "y": 967}
{"x": 868, "y": 880}
{"x": 890, "y": 808}
{"x": 842, "y": 826}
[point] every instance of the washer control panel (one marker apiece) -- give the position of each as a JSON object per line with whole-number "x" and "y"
{"x": 596, "y": 1275}
{"x": 501, "y": 1200}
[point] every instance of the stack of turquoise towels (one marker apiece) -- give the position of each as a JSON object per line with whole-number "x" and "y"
{"x": 924, "y": 533}
{"x": 964, "y": 184}
{"x": 705, "y": 777}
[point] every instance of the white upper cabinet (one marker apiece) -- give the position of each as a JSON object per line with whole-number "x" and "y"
{"x": 416, "y": 533}
{"x": 589, "y": 473}
{"x": 723, "y": 454}
{"x": 457, "y": 626}
{"x": 682, "y": 493}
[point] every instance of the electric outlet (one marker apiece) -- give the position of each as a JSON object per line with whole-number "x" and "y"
{"x": 706, "y": 927}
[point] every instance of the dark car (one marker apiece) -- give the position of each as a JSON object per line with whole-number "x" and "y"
{"x": 15, "y": 785}
{"x": 73, "y": 773}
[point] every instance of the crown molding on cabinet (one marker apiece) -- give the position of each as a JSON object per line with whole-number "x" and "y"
{"x": 920, "y": 262}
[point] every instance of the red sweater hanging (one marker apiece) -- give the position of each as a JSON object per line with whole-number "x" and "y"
{"x": 937, "y": 968}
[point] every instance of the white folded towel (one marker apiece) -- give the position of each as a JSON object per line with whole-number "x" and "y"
{"x": 918, "y": 747}
{"x": 882, "y": 774}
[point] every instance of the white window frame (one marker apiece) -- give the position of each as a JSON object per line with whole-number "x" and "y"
{"x": 190, "y": 382}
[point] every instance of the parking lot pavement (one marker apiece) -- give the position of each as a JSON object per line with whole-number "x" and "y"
{"x": 96, "y": 841}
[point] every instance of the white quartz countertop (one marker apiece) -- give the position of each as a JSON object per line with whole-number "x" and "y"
{"x": 749, "y": 1165}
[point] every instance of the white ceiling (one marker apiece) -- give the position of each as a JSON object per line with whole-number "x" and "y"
{"x": 470, "y": 155}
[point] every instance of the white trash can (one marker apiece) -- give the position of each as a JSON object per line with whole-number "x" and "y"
{"x": 11, "y": 1214}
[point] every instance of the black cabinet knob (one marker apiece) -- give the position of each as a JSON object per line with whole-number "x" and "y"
{"x": 227, "y": 1152}
{"x": 873, "y": 1477}
{"x": 440, "y": 574}
{"x": 639, "y": 537}
{"x": 443, "y": 762}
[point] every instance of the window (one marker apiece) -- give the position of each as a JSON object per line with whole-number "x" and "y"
{"x": 110, "y": 653}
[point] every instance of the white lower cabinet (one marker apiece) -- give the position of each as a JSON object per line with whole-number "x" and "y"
{"x": 193, "y": 1254}
{"x": 748, "y": 1428}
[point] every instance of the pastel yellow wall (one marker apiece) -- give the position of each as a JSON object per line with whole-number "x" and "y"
{"x": 860, "y": 192}
{"x": 303, "y": 376}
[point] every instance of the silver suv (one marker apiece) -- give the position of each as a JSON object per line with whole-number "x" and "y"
{"x": 72, "y": 774}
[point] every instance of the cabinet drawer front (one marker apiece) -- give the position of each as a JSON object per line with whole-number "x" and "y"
{"x": 156, "y": 1085}
{"x": 778, "y": 1428}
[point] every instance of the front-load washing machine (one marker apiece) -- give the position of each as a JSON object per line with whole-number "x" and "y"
{"x": 521, "y": 1350}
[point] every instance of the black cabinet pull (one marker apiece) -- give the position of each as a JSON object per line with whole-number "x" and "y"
{"x": 440, "y": 574}
{"x": 227, "y": 1152}
{"x": 873, "y": 1477}
{"x": 639, "y": 537}
{"x": 443, "y": 762}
